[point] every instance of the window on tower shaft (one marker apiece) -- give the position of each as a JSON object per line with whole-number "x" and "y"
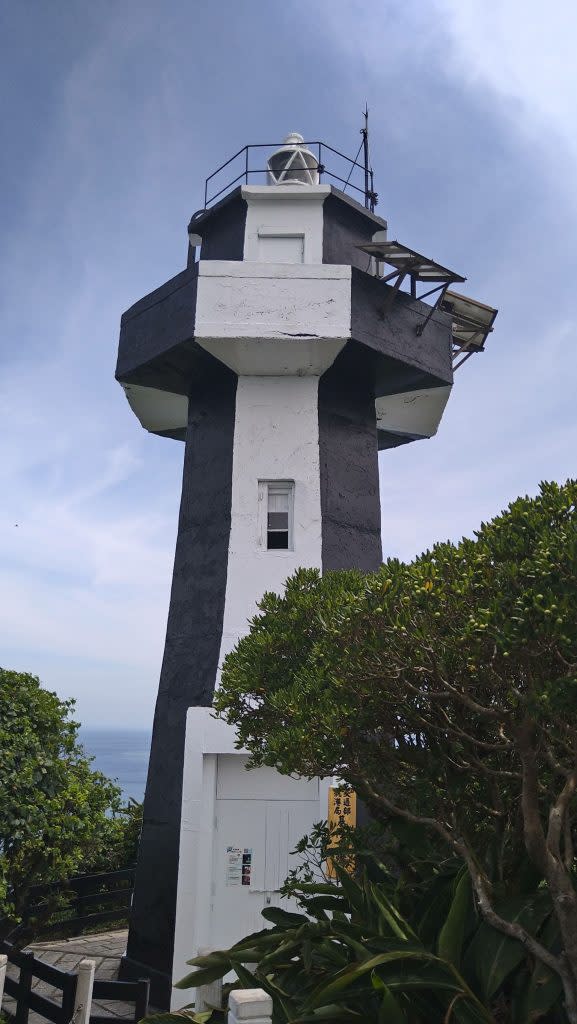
{"x": 279, "y": 498}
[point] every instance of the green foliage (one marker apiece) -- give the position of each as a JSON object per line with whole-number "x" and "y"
{"x": 453, "y": 932}
{"x": 492, "y": 956}
{"x": 357, "y": 650}
{"x": 178, "y": 1016}
{"x": 53, "y": 806}
{"x": 444, "y": 691}
{"x": 351, "y": 964}
{"x": 119, "y": 841}
{"x": 364, "y": 948}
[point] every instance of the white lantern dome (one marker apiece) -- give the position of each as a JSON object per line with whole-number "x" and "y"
{"x": 293, "y": 163}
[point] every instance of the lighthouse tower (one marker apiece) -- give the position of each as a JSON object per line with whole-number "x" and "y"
{"x": 284, "y": 356}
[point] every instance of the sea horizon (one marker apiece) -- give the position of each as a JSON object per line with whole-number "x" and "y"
{"x": 120, "y": 753}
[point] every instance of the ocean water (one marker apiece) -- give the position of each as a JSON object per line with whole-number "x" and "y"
{"x": 121, "y": 754}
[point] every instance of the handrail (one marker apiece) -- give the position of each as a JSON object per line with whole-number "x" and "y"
{"x": 89, "y": 900}
{"x": 370, "y": 197}
{"x": 83, "y": 881}
{"x": 30, "y": 967}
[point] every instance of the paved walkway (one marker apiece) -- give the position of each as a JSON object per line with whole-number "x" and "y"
{"x": 105, "y": 949}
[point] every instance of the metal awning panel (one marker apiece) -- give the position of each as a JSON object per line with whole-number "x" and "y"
{"x": 408, "y": 261}
{"x": 472, "y": 321}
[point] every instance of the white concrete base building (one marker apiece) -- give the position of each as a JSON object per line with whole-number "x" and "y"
{"x": 230, "y": 815}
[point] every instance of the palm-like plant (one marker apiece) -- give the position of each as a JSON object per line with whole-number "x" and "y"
{"x": 402, "y": 945}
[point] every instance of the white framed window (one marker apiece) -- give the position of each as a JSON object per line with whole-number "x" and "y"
{"x": 276, "y": 505}
{"x": 278, "y": 248}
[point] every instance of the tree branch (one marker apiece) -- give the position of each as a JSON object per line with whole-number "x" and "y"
{"x": 451, "y": 691}
{"x": 499, "y": 773}
{"x": 455, "y": 731}
{"x": 479, "y": 880}
{"x": 558, "y": 813}
{"x": 534, "y": 835}
{"x": 568, "y": 851}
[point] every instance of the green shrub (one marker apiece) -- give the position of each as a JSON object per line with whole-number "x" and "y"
{"x": 444, "y": 692}
{"x": 403, "y": 945}
{"x": 54, "y": 809}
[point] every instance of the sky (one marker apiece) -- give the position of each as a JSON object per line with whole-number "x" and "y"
{"x": 112, "y": 115}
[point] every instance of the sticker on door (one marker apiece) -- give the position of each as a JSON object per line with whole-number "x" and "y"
{"x": 246, "y": 866}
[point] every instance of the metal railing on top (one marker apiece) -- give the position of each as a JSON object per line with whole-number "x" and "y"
{"x": 242, "y": 164}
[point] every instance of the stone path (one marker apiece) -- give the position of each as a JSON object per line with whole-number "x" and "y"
{"x": 105, "y": 949}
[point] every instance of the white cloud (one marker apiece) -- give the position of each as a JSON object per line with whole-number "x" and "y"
{"x": 525, "y": 51}
{"x": 507, "y": 72}
{"x": 86, "y": 573}
{"x": 515, "y": 56}
{"x": 509, "y": 424}
{"x": 86, "y": 549}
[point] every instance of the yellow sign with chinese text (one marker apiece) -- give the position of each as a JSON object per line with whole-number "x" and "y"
{"x": 342, "y": 810}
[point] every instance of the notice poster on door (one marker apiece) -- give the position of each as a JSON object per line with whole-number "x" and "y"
{"x": 233, "y": 864}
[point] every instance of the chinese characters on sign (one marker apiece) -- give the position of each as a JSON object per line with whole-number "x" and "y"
{"x": 342, "y": 811}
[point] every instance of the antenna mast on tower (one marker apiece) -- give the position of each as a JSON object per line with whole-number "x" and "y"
{"x": 370, "y": 194}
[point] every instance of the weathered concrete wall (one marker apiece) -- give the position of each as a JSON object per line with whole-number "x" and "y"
{"x": 286, "y": 210}
{"x": 271, "y": 318}
{"x": 157, "y": 335}
{"x": 346, "y": 226}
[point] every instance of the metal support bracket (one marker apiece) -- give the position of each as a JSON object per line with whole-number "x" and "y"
{"x": 421, "y": 327}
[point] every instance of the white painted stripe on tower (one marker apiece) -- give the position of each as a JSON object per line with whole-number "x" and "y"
{"x": 276, "y": 437}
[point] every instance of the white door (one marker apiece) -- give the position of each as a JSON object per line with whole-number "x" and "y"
{"x": 254, "y": 834}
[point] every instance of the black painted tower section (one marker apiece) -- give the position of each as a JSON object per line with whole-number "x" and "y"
{"x": 350, "y": 503}
{"x": 189, "y": 667}
{"x": 347, "y": 224}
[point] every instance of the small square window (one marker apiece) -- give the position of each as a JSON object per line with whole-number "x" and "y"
{"x": 277, "y": 497}
{"x": 281, "y": 248}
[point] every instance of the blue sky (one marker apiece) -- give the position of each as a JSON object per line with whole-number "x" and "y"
{"x": 112, "y": 115}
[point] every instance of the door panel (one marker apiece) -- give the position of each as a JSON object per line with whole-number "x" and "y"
{"x": 240, "y": 824}
{"x": 270, "y": 829}
{"x": 234, "y": 783}
{"x": 286, "y": 823}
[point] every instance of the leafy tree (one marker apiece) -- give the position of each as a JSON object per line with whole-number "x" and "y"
{"x": 53, "y": 806}
{"x": 444, "y": 692}
{"x": 119, "y": 846}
